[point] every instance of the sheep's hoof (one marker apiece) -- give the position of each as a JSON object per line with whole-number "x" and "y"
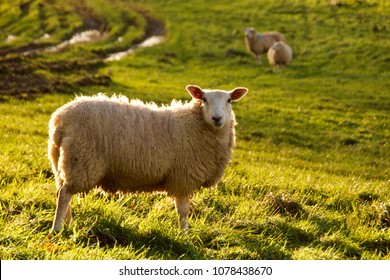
{"x": 54, "y": 232}
{"x": 52, "y": 235}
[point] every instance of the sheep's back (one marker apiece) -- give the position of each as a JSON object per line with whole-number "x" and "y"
{"x": 276, "y": 36}
{"x": 269, "y": 38}
{"x": 132, "y": 139}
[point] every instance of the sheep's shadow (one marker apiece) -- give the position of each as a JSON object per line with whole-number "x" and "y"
{"x": 152, "y": 243}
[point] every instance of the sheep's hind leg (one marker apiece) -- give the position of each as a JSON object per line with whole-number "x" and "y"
{"x": 183, "y": 209}
{"x": 63, "y": 212}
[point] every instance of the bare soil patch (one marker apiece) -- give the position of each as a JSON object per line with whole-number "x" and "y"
{"x": 25, "y": 73}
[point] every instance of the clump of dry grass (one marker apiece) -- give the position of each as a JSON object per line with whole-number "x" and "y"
{"x": 382, "y": 212}
{"x": 283, "y": 204}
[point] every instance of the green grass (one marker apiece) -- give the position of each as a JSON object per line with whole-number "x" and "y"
{"x": 309, "y": 177}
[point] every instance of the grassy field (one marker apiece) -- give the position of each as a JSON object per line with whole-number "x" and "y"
{"x": 310, "y": 175}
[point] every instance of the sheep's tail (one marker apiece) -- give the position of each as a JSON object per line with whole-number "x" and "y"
{"x": 54, "y": 144}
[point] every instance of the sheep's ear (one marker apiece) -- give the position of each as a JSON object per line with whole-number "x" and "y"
{"x": 237, "y": 93}
{"x": 195, "y": 91}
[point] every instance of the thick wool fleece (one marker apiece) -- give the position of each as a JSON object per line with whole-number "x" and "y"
{"x": 279, "y": 54}
{"x": 263, "y": 41}
{"x": 132, "y": 146}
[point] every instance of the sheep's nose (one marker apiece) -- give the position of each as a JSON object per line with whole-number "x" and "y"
{"x": 217, "y": 119}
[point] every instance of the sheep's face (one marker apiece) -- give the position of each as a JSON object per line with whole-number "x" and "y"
{"x": 277, "y": 46}
{"x": 216, "y": 104}
{"x": 250, "y": 33}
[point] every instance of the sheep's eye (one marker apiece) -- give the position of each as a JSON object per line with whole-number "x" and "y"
{"x": 229, "y": 100}
{"x": 204, "y": 100}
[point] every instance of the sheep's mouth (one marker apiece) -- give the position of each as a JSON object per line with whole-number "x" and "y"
{"x": 218, "y": 124}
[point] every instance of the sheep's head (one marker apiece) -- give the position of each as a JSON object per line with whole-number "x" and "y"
{"x": 216, "y": 104}
{"x": 277, "y": 45}
{"x": 250, "y": 33}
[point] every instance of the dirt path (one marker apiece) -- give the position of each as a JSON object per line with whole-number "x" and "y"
{"x": 149, "y": 42}
{"x": 154, "y": 35}
{"x": 25, "y": 73}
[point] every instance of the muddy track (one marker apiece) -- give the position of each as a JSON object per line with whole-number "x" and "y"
{"x": 25, "y": 76}
{"x": 154, "y": 26}
{"x": 91, "y": 21}
{"x": 153, "y": 35}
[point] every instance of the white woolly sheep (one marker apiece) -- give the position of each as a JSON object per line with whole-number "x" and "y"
{"x": 259, "y": 43}
{"x": 279, "y": 54}
{"x": 136, "y": 147}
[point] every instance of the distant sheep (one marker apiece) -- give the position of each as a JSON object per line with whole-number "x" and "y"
{"x": 136, "y": 147}
{"x": 279, "y": 54}
{"x": 259, "y": 43}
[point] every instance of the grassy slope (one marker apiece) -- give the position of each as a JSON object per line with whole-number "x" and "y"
{"x": 310, "y": 174}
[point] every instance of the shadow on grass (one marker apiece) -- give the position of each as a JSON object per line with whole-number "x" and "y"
{"x": 245, "y": 241}
{"x": 155, "y": 244}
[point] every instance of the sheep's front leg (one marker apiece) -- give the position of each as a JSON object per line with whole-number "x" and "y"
{"x": 183, "y": 209}
{"x": 258, "y": 59}
{"x": 68, "y": 216}
{"x": 63, "y": 212}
